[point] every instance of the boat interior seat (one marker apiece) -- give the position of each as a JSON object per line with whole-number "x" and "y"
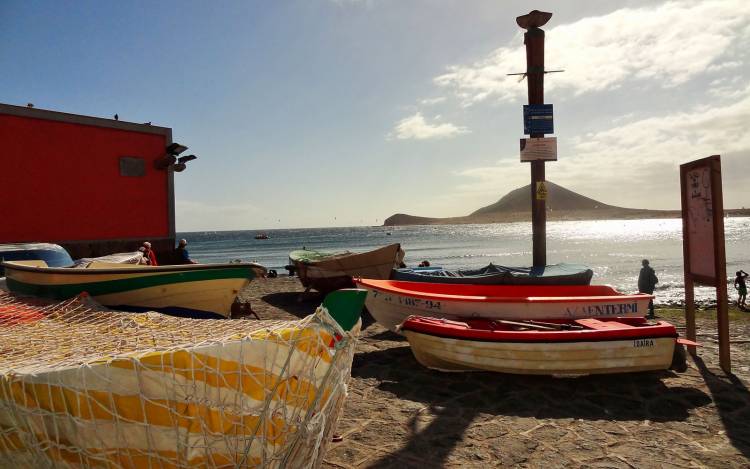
{"x": 112, "y": 265}
{"x": 31, "y": 263}
{"x": 598, "y": 325}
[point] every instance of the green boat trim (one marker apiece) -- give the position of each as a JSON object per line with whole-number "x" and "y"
{"x": 135, "y": 270}
{"x": 106, "y": 287}
{"x": 345, "y": 306}
{"x": 307, "y": 256}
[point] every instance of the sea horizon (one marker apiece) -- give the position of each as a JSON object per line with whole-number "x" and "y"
{"x": 613, "y": 249}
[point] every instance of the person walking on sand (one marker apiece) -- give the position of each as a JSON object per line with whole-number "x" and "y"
{"x": 647, "y": 281}
{"x": 741, "y": 286}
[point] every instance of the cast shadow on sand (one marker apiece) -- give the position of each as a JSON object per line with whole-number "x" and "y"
{"x": 732, "y": 401}
{"x": 292, "y": 303}
{"x": 456, "y": 399}
{"x": 303, "y": 304}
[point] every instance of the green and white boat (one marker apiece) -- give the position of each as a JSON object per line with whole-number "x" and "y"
{"x": 193, "y": 290}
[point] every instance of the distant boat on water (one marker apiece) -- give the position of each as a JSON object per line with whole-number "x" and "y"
{"x": 261, "y": 236}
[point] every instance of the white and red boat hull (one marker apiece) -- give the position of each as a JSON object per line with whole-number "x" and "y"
{"x": 390, "y": 302}
{"x": 594, "y": 354}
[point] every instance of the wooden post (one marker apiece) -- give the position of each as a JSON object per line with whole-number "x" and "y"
{"x": 533, "y": 38}
{"x": 722, "y": 301}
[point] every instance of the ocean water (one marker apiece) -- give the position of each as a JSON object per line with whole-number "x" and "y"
{"x": 613, "y": 249}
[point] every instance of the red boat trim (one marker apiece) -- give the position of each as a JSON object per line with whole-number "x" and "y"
{"x": 541, "y": 341}
{"x": 615, "y": 298}
{"x": 453, "y": 330}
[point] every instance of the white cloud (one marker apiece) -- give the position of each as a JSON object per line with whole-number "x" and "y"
{"x": 667, "y": 45}
{"x": 432, "y": 101}
{"x": 635, "y": 164}
{"x": 416, "y": 127}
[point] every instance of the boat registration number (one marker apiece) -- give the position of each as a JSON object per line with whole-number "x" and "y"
{"x": 418, "y": 303}
{"x": 639, "y": 343}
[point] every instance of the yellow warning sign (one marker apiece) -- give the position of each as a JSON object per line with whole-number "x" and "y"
{"x": 541, "y": 191}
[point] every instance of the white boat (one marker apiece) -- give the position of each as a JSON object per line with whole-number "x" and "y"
{"x": 390, "y": 302}
{"x": 562, "y": 347}
{"x": 193, "y": 290}
{"x": 328, "y": 271}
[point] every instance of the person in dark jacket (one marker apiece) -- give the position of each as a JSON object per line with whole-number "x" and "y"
{"x": 181, "y": 253}
{"x": 741, "y": 286}
{"x": 647, "y": 281}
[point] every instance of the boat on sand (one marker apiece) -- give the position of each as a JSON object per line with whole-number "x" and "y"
{"x": 328, "y": 271}
{"x": 192, "y": 290}
{"x": 556, "y": 347}
{"x": 556, "y": 274}
{"x": 390, "y": 302}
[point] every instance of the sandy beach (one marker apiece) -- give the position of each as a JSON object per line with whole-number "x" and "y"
{"x": 400, "y": 414}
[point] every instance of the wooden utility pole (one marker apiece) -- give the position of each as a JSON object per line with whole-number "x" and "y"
{"x": 534, "y": 41}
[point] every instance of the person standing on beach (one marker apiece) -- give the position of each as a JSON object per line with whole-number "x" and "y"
{"x": 741, "y": 286}
{"x": 647, "y": 281}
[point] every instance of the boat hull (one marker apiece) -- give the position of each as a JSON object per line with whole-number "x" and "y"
{"x": 326, "y": 274}
{"x": 556, "y": 347}
{"x": 197, "y": 290}
{"x": 577, "y": 358}
{"x": 391, "y": 302}
{"x": 558, "y": 274}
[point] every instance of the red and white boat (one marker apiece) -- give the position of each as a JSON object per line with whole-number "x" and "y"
{"x": 391, "y": 301}
{"x": 562, "y": 347}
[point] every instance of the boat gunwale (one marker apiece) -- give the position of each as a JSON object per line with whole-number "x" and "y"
{"x": 505, "y": 299}
{"x": 134, "y": 270}
{"x": 542, "y": 337}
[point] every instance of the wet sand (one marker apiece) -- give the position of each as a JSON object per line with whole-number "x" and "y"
{"x": 400, "y": 414}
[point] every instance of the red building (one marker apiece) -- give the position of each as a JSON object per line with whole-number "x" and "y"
{"x": 93, "y": 185}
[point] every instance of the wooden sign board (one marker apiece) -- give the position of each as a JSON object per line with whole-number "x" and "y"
{"x": 703, "y": 243}
{"x": 535, "y": 149}
{"x": 700, "y": 222}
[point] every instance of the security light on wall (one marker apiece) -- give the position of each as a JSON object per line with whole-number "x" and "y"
{"x": 170, "y": 158}
{"x": 185, "y": 159}
{"x": 176, "y": 148}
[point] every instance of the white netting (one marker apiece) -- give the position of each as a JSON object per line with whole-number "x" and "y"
{"x": 81, "y": 386}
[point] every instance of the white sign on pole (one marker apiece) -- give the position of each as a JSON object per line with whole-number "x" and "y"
{"x": 535, "y": 149}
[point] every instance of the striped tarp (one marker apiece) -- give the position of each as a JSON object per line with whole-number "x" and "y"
{"x": 85, "y": 387}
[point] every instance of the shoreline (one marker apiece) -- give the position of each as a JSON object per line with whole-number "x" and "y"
{"x": 401, "y": 219}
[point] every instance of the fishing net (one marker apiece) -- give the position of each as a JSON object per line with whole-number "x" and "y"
{"x": 81, "y": 386}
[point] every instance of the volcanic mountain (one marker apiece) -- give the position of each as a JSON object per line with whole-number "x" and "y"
{"x": 562, "y": 204}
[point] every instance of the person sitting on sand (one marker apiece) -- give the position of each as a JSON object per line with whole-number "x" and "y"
{"x": 150, "y": 254}
{"x": 144, "y": 257}
{"x": 647, "y": 281}
{"x": 741, "y": 286}
{"x": 181, "y": 253}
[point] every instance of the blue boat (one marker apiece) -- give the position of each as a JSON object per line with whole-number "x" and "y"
{"x": 53, "y": 254}
{"x": 556, "y": 274}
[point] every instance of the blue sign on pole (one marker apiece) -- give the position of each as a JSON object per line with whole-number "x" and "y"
{"x": 537, "y": 119}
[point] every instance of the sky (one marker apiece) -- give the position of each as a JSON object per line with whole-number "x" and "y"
{"x": 317, "y": 113}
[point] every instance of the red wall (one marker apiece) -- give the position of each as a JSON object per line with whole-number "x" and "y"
{"x": 61, "y": 182}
